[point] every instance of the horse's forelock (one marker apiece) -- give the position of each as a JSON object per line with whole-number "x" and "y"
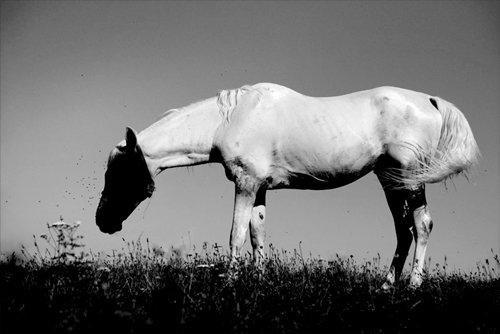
{"x": 114, "y": 154}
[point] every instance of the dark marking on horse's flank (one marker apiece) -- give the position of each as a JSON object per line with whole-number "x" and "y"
{"x": 433, "y": 102}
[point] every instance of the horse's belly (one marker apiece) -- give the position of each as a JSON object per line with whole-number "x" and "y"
{"x": 292, "y": 180}
{"x": 328, "y": 168}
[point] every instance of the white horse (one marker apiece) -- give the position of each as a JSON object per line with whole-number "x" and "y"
{"x": 270, "y": 137}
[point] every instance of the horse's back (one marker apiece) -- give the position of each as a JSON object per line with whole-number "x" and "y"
{"x": 309, "y": 142}
{"x": 386, "y": 114}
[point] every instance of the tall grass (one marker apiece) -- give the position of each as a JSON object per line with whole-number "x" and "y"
{"x": 143, "y": 289}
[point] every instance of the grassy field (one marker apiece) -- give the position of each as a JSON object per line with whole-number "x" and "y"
{"x": 141, "y": 290}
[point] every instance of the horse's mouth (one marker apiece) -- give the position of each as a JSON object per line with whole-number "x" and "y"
{"x": 110, "y": 228}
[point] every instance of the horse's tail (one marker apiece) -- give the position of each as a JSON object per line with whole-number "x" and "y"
{"x": 456, "y": 153}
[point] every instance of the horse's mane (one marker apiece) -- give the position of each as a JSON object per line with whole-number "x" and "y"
{"x": 225, "y": 99}
{"x": 169, "y": 113}
{"x": 228, "y": 99}
{"x": 175, "y": 111}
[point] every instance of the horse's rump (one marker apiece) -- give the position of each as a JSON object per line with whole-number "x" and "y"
{"x": 456, "y": 152}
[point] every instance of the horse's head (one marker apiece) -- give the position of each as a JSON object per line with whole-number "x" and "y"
{"x": 127, "y": 183}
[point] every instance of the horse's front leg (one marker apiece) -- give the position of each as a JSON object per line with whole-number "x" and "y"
{"x": 257, "y": 228}
{"x": 242, "y": 215}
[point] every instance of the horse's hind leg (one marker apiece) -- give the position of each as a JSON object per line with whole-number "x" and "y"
{"x": 412, "y": 221}
{"x": 257, "y": 228}
{"x": 403, "y": 222}
{"x": 422, "y": 230}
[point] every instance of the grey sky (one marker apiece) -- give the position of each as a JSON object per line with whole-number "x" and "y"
{"x": 74, "y": 74}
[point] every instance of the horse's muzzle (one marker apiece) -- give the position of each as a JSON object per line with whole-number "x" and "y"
{"x": 109, "y": 228}
{"x": 107, "y": 222}
{"x": 107, "y": 225}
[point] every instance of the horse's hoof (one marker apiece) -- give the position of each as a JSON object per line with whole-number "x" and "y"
{"x": 386, "y": 287}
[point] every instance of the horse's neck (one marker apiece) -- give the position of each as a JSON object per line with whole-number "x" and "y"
{"x": 183, "y": 137}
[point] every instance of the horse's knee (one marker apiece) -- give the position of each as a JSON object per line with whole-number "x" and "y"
{"x": 417, "y": 204}
{"x": 258, "y": 218}
{"x": 423, "y": 224}
{"x": 257, "y": 232}
{"x": 257, "y": 229}
{"x": 427, "y": 223}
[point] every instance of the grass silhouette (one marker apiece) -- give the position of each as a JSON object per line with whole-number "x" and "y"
{"x": 144, "y": 289}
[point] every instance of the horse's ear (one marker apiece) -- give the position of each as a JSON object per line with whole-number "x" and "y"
{"x": 130, "y": 139}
